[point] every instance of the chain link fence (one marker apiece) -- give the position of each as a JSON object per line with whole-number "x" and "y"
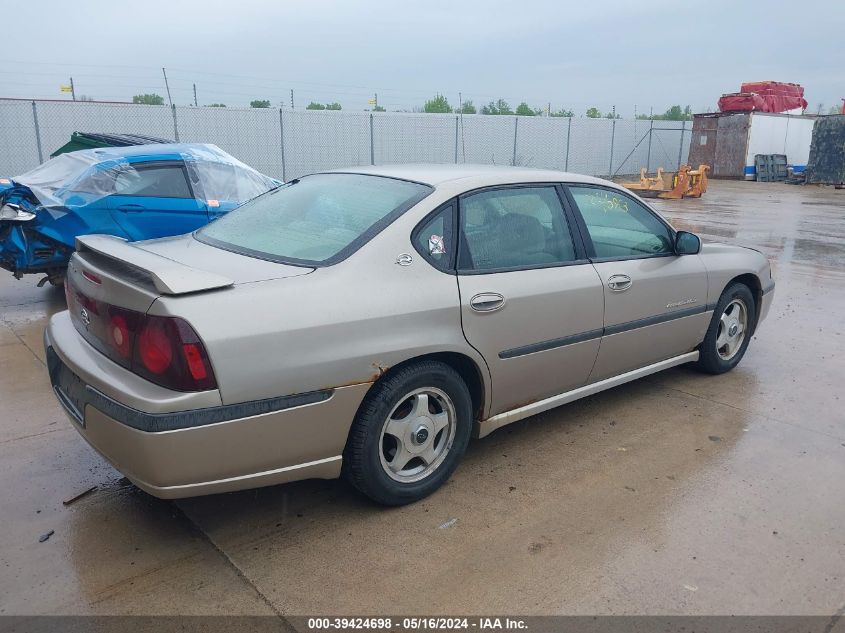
{"x": 290, "y": 143}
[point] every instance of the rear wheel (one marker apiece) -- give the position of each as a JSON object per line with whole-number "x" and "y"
{"x": 730, "y": 330}
{"x": 409, "y": 434}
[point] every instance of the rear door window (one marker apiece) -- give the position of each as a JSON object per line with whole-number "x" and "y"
{"x": 516, "y": 227}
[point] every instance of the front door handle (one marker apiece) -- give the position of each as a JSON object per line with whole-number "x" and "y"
{"x": 487, "y": 302}
{"x": 130, "y": 208}
{"x": 618, "y": 283}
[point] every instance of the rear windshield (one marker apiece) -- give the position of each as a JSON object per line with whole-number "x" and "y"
{"x": 318, "y": 219}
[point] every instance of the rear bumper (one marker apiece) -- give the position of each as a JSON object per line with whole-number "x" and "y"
{"x": 196, "y": 450}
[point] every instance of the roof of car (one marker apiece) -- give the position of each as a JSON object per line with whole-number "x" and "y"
{"x": 438, "y": 174}
{"x": 153, "y": 149}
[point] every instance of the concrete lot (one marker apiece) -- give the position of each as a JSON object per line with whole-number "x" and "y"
{"x": 676, "y": 494}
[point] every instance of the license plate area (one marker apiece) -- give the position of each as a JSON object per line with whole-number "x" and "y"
{"x": 70, "y": 390}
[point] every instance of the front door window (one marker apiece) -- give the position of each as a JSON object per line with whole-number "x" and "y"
{"x": 619, "y": 226}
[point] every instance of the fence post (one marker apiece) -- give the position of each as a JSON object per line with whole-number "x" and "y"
{"x": 37, "y": 133}
{"x": 568, "y": 135}
{"x": 612, "y": 142}
{"x": 515, "y": 129}
{"x": 282, "y": 141}
{"x": 648, "y": 158}
{"x": 456, "y": 140}
{"x": 175, "y": 126}
{"x": 681, "y": 144}
{"x": 372, "y": 143}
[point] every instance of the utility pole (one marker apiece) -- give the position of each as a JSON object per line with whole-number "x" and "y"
{"x": 72, "y": 90}
{"x": 291, "y": 98}
{"x": 635, "y": 112}
{"x": 549, "y": 109}
{"x": 167, "y": 85}
{"x": 460, "y": 103}
{"x": 375, "y": 96}
{"x": 195, "y": 95}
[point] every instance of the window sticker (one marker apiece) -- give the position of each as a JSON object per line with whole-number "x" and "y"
{"x": 436, "y": 245}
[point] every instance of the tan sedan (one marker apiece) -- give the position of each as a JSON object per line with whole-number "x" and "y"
{"x": 366, "y": 322}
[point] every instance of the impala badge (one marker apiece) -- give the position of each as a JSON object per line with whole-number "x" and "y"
{"x": 676, "y": 304}
{"x": 86, "y": 319}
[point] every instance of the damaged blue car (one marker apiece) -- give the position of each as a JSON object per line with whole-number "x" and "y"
{"x": 136, "y": 193}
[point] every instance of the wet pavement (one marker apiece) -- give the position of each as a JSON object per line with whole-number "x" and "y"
{"x": 676, "y": 494}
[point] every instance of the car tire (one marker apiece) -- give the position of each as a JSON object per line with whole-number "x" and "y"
{"x": 409, "y": 434}
{"x": 729, "y": 331}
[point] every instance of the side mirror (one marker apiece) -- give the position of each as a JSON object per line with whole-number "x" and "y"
{"x": 687, "y": 243}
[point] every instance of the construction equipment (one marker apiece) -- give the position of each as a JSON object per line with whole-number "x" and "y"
{"x": 687, "y": 183}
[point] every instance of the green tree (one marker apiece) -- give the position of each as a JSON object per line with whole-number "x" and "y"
{"x": 260, "y": 103}
{"x": 610, "y": 115}
{"x": 675, "y": 113}
{"x": 523, "y": 109}
{"x": 379, "y": 108}
{"x": 148, "y": 99}
{"x": 216, "y": 105}
{"x": 593, "y": 113}
{"x": 439, "y": 104}
{"x": 562, "y": 113}
{"x": 315, "y": 106}
{"x": 500, "y": 107}
{"x": 333, "y": 106}
{"x": 467, "y": 108}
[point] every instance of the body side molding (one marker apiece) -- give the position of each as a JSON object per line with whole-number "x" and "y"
{"x": 485, "y": 427}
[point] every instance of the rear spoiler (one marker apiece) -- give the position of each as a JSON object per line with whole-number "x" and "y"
{"x": 167, "y": 276}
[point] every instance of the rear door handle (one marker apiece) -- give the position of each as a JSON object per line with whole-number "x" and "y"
{"x": 618, "y": 283}
{"x": 130, "y": 208}
{"x": 487, "y": 302}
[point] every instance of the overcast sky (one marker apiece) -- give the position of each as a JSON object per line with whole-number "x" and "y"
{"x": 574, "y": 55}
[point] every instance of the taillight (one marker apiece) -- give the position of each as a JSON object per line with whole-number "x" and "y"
{"x": 119, "y": 335}
{"x": 154, "y": 346}
{"x": 196, "y": 364}
{"x": 168, "y": 352}
{"x": 164, "y": 350}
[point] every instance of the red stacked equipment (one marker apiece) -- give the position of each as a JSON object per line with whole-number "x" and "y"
{"x": 764, "y": 96}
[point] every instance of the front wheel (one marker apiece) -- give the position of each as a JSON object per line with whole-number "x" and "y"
{"x": 730, "y": 330}
{"x": 410, "y": 433}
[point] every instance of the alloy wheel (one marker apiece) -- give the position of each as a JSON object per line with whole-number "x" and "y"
{"x": 733, "y": 326}
{"x": 417, "y": 435}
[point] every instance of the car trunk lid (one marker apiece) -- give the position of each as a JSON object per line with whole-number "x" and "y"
{"x": 107, "y": 272}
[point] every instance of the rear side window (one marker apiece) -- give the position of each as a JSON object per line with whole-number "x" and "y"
{"x": 619, "y": 226}
{"x": 514, "y": 227}
{"x": 161, "y": 181}
{"x": 317, "y": 219}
